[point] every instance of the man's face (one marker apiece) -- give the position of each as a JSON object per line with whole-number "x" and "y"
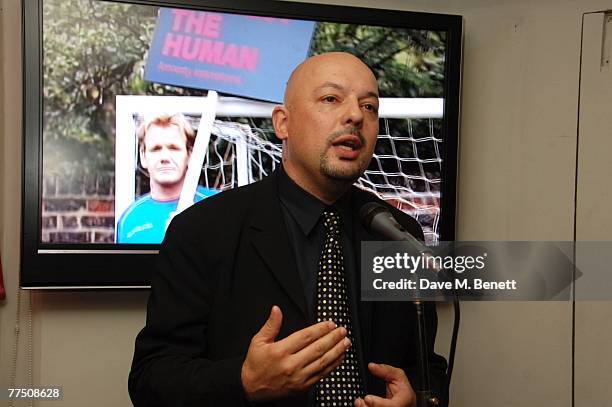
{"x": 332, "y": 122}
{"x": 165, "y": 155}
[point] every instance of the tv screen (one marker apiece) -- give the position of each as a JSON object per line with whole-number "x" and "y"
{"x": 135, "y": 110}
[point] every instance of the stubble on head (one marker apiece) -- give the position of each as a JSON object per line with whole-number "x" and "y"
{"x": 336, "y": 173}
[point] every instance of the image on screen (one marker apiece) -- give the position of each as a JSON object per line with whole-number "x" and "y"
{"x": 129, "y": 106}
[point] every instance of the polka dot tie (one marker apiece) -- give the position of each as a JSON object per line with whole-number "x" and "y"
{"x": 343, "y": 385}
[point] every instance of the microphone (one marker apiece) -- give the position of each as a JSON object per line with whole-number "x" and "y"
{"x": 375, "y": 218}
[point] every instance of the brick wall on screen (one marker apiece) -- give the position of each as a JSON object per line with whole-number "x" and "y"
{"x": 78, "y": 208}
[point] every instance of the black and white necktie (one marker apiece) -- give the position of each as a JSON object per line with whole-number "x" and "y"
{"x": 343, "y": 385}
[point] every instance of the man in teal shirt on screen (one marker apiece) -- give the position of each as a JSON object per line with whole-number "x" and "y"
{"x": 164, "y": 143}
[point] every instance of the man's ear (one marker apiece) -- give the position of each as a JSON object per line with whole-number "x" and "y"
{"x": 280, "y": 120}
{"x": 141, "y": 152}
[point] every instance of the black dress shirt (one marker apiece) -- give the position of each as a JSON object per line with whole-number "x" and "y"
{"x": 303, "y": 215}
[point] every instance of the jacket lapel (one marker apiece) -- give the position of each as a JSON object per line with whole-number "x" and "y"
{"x": 271, "y": 240}
{"x": 361, "y": 197}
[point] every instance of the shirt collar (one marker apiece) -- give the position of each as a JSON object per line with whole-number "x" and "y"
{"x": 305, "y": 208}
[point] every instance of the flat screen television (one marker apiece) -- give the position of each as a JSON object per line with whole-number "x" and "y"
{"x": 98, "y": 75}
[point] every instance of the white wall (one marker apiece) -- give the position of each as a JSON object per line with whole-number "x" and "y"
{"x": 517, "y": 160}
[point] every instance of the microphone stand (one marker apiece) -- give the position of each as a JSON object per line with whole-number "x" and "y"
{"x": 376, "y": 218}
{"x": 424, "y": 395}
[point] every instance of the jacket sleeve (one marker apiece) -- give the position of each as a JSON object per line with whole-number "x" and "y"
{"x": 170, "y": 367}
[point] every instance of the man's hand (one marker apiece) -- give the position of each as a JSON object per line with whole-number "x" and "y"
{"x": 399, "y": 390}
{"x": 276, "y": 369}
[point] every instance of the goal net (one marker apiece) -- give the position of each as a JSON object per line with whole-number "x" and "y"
{"x": 405, "y": 170}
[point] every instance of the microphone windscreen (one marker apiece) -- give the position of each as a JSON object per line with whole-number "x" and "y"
{"x": 368, "y": 211}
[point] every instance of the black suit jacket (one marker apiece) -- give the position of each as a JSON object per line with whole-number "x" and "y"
{"x": 222, "y": 266}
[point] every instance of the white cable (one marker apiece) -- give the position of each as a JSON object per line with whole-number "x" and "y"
{"x": 13, "y": 371}
{"x": 29, "y": 347}
{"x": 29, "y": 356}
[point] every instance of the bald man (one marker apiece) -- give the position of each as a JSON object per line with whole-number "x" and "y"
{"x": 240, "y": 318}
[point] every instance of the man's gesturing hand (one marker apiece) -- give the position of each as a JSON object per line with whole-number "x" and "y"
{"x": 399, "y": 390}
{"x": 276, "y": 369}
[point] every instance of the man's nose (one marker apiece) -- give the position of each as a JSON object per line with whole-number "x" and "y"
{"x": 164, "y": 155}
{"x": 354, "y": 114}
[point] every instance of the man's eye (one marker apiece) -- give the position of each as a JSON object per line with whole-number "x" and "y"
{"x": 330, "y": 99}
{"x": 370, "y": 107}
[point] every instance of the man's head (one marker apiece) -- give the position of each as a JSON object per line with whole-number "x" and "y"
{"x": 164, "y": 143}
{"x": 328, "y": 123}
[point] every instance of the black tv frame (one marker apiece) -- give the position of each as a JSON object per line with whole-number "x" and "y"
{"x": 77, "y": 266}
